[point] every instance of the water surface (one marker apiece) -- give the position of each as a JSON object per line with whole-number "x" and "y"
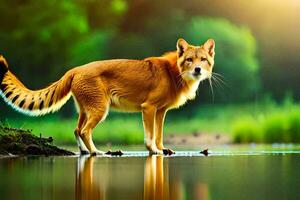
{"x": 228, "y": 174}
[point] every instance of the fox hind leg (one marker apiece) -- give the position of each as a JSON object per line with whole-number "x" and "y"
{"x": 92, "y": 99}
{"x": 80, "y": 143}
{"x": 93, "y": 118}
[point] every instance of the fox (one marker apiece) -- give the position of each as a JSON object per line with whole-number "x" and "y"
{"x": 152, "y": 86}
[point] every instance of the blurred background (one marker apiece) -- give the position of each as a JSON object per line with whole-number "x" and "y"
{"x": 257, "y": 54}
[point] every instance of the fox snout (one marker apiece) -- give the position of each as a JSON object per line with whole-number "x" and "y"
{"x": 197, "y": 70}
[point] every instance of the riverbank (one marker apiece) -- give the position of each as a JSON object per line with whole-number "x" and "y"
{"x": 23, "y": 142}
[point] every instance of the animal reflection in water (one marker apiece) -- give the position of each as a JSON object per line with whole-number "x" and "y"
{"x": 86, "y": 188}
{"x": 157, "y": 183}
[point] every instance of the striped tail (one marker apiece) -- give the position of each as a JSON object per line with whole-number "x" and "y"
{"x": 33, "y": 102}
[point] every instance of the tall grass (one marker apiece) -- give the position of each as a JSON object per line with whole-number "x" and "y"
{"x": 247, "y": 131}
{"x": 282, "y": 127}
{"x": 278, "y": 124}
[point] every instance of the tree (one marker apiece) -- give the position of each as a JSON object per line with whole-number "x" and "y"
{"x": 42, "y": 33}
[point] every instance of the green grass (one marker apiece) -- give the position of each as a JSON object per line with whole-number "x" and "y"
{"x": 277, "y": 127}
{"x": 278, "y": 124}
{"x": 127, "y": 131}
{"x": 256, "y": 122}
{"x": 246, "y": 131}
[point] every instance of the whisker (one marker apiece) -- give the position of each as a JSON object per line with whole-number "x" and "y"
{"x": 219, "y": 77}
{"x": 181, "y": 74}
{"x": 211, "y": 89}
{"x": 220, "y": 81}
{"x": 180, "y": 82}
{"x": 217, "y": 74}
{"x": 216, "y": 80}
{"x": 217, "y": 83}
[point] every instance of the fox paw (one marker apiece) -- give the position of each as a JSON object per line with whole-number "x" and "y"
{"x": 155, "y": 151}
{"x": 114, "y": 153}
{"x": 168, "y": 152}
{"x": 97, "y": 153}
{"x": 84, "y": 152}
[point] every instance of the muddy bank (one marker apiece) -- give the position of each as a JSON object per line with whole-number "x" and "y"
{"x": 198, "y": 139}
{"x": 22, "y": 142}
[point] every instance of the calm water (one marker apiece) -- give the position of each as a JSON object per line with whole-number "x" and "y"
{"x": 259, "y": 174}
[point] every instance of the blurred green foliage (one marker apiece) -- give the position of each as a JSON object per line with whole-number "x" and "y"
{"x": 246, "y": 131}
{"x": 36, "y": 37}
{"x": 94, "y": 43}
{"x": 274, "y": 125}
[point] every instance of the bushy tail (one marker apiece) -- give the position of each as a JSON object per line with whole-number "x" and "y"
{"x": 33, "y": 102}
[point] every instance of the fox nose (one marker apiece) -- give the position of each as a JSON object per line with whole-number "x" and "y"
{"x": 197, "y": 70}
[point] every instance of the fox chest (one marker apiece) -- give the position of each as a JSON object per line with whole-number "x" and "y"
{"x": 185, "y": 95}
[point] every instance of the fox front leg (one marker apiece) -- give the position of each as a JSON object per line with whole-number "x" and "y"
{"x": 148, "y": 112}
{"x": 159, "y": 126}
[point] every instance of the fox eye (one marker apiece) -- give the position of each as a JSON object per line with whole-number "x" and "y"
{"x": 203, "y": 59}
{"x": 189, "y": 59}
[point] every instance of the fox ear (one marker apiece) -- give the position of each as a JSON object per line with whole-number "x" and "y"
{"x": 209, "y": 45}
{"x": 182, "y": 45}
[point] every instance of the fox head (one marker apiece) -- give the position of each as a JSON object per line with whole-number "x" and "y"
{"x": 195, "y": 62}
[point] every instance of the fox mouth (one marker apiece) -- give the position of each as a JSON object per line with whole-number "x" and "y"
{"x": 192, "y": 76}
{"x": 197, "y": 75}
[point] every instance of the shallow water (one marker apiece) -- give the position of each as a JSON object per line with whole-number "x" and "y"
{"x": 227, "y": 173}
